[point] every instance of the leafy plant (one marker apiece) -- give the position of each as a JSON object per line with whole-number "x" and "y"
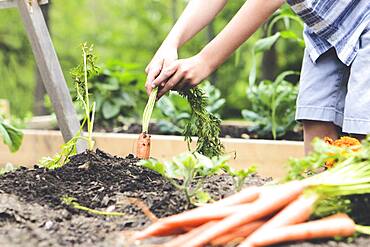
{"x": 12, "y": 136}
{"x": 176, "y": 110}
{"x": 81, "y": 74}
{"x": 273, "y": 106}
{"x": 187, "y": 172}
{"x": 118, "y": 91}
{"x": 202, "y": 124}
{"x": 286, "y": 15}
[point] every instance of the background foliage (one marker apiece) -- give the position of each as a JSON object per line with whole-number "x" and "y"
{"x": 127, "y": 33}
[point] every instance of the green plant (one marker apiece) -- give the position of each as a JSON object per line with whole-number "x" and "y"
{"x": 176, "y": 111}
{"x": 202, "y": 124}
{"x": 118, "y": 92}
{"x": 81, "y": 74}
{"x": 273, "y": 106}
{"x": 12, "y": 137}
{"x": 70, "y": 201}
{"x": 286, "y": 15}
{"x": 188, "y": 171}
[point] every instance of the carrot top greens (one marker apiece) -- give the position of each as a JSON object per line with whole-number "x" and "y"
{"x": 202, "y": 124}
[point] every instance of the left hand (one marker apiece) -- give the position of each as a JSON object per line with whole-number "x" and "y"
{"x": 183, "y": 73}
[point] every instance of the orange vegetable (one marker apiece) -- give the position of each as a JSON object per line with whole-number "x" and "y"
{"x": 271, "y": 200}
{"x": 237, "y": 234}
{"x": 339, "y": 225}
{"x": 143, "y": 146}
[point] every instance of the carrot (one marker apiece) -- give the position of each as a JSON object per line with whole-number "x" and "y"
{"x": 238, "y": 233}
{"x": 202, "y": 214}
{"x": 246, "y": 195}
{"x": 339, "y": 225}
{"x": 296, "y": 212}
{"x": 191, "y": 218}
{"x": 270, "y": 201}
{"x": 143, "y": 146}
{"x": 182, "y": 239}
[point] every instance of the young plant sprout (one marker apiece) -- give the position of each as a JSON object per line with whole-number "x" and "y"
{"x": 188, "y": 171}
{"x": 81, "y": 75}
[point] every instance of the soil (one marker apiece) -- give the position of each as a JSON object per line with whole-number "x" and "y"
{"x": 33, "y": 214}
{"x": 228, "y": 131}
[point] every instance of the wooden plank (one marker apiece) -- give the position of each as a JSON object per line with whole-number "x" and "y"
{"x": 270, "y": 157}
{"x": 4, "y": 4}
{"x": 50, "y": 70}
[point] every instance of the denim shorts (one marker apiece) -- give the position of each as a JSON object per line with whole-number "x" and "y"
{"x": 330, "y": 91}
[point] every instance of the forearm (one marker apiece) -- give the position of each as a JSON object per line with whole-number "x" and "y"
{"x": 197, "y": 14}
{"x": 252, "y": 14}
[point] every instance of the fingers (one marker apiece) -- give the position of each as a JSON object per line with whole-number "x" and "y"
{"x": 153, "y": 72}
{"x": 165, "y": 74}
{"x": 170, "y": 84}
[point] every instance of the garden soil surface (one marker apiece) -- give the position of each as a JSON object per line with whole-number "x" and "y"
{"x": 32, "y": 212}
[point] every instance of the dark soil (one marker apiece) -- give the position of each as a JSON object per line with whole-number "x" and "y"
{"x": 32, "y": 213}
{"x": 228, "y": 131}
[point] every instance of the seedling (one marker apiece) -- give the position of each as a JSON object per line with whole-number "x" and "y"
{"x": 188, "y": 171}
{"x": 80, "y": 75}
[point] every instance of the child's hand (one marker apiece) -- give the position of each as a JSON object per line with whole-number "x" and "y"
{"x": 165, "y": 56}
{"x": 183, "y": 73}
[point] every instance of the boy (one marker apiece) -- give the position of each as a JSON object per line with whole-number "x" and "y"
{"x": 335, "y": 80}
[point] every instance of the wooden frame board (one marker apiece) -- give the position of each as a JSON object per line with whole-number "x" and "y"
{"x": 270, "y": 157}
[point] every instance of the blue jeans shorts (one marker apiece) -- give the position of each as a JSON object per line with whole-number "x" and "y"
{"x": 330, "y": 91}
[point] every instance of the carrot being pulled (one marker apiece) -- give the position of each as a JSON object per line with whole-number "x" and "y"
{"x": 143, "y": 143}
{"x": 339, "y": 225}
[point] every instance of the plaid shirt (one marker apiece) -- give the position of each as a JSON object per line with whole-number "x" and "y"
{"x": 333, "y": 23}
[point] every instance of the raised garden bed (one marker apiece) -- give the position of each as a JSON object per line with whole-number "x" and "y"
{"x": 270, "y": 157}
{"x": 32, "y": 212}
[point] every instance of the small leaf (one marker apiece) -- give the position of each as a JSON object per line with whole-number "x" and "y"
{"x": 110, "y": 110}
{"x": 266, "y": 43}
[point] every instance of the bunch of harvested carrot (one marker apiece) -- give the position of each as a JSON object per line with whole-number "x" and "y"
{"x": 143, "y": 143}
{"x": 272, "y": 214}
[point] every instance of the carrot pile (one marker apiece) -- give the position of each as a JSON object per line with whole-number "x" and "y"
{"x": 272, "y": 214}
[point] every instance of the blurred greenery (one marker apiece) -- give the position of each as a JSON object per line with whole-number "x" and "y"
{"x": 127, "y": 33}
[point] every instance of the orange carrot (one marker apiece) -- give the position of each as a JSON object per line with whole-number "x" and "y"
{"x": 143, "y": 146}
{"x": 296, "y": 212}
{"x": 270, "y": 201}
{"x": 339, "y": 225}
{"x": 182, "y": 239}
{"x": 191, "y": 218}
{"x": 249, "y": 194}
{"x": 241, "y": 232}
{"x": 199, "y": 215}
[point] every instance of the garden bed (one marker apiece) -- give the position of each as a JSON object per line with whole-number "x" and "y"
{"x": 270, "y": 157}
{"x": 32, "y": 212}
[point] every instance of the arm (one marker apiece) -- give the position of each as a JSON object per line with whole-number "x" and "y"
{"x": 190, "y": 72}
{"x": 195, "y": 17}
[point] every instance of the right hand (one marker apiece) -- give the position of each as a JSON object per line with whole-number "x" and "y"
{"x": 165, "y": 56}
